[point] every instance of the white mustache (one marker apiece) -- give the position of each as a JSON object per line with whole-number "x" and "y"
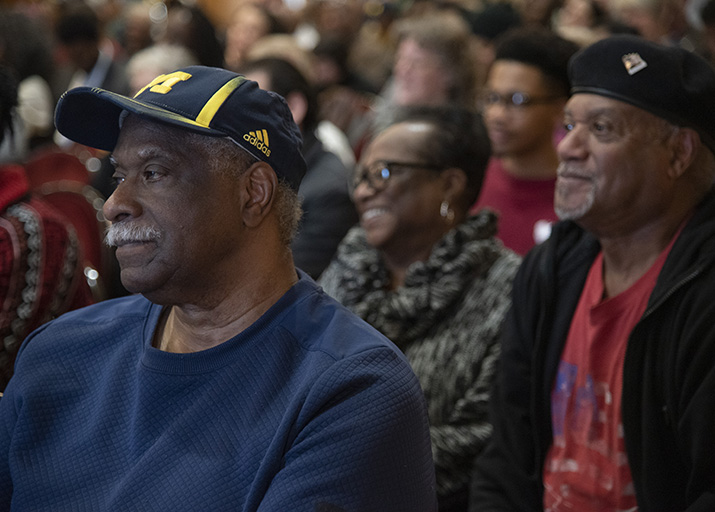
{"x": 120, "y": 234}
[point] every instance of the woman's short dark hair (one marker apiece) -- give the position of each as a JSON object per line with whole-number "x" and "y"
{"x": 459, "y": 140}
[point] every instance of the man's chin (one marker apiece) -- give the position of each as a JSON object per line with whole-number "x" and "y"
{"x": 134, "y": 282}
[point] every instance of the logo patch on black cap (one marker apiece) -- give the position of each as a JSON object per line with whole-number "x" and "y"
{"x": 633, "y": 63}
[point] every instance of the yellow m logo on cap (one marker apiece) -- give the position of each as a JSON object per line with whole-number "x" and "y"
{"x": 163, "y": 84}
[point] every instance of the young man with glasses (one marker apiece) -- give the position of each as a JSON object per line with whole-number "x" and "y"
{"x": 522, "y": 104}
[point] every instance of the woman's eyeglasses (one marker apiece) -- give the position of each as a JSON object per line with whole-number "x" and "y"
{"x": 378, "y": 174}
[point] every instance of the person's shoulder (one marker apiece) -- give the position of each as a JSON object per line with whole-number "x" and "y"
{"x": 505, "y": 264}
{"x": 107, "y": 312}
{"x": 322, "y": 324}
{"x": 557, "y": 261}
{"x": 98, "y": 321}
{"x": 568, "y": 242}
{"x": 693, "y": 252}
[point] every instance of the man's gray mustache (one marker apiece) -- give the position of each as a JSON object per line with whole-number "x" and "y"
{"x": 119, "y": 234}
{"x": 570, "y": 169}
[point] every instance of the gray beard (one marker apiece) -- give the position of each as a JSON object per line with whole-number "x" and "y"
{"x": 577, "y": 212}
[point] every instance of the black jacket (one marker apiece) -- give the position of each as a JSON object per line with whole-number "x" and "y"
{"x": 668, "y": 401}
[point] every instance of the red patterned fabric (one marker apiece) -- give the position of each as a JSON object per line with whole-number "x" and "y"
{"x": 41, "y": 275}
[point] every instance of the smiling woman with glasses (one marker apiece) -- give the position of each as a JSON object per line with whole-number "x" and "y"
{"x": 430, "y": 277}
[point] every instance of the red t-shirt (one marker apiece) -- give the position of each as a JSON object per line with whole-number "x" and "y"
{"x": 525, "y": 207}
{"x": 586, "y": 469}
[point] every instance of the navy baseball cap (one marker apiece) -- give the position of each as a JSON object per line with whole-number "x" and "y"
{"x": 204, "y": 100}
{"x": 670, "y": 82}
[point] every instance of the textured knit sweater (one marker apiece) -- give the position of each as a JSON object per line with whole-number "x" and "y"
{"x": 447, "y": 319}
{"x": 308, "y": 409}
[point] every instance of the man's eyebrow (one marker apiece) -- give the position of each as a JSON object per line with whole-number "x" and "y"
{"x": 593, "y": 112}
{"x": 144, "y": 154}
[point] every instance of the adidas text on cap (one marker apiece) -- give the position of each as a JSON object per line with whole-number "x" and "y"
{"x": 209, "y": 101}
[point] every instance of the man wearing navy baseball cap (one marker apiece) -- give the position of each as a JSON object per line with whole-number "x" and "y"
{"x": 229, "y": 381}
{"x": 605, "y": 398}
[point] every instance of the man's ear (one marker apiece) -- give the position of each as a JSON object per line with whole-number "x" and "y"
{"x": 685, "y": 144}
{"x": 260, "y": 186}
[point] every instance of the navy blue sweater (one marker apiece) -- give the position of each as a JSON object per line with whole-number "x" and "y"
{"x": 308, "y": 409}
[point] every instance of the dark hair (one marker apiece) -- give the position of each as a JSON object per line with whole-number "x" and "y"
{"x": 707, "y": 14}
{"x": 542, "y": 49}
{"x": 285, "y": 79}
{"x": 459, "y": 140}
{"x": 337, "y": 50}
{"x": 494, "y": 20}
{"x": 8, "y": 101}
{"x": 78, "y": 22}
{"x": 25, "y": 45}
{"x": 201, "y": 37}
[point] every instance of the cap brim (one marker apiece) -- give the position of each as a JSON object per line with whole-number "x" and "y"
{"x": 90, "y": 116}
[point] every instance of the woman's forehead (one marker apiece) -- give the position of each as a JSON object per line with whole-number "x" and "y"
{"x": 400, "y": 138}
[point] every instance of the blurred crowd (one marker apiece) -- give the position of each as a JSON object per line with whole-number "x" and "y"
{"x": 362, "y": 58}
{"x": 347, "y": 69}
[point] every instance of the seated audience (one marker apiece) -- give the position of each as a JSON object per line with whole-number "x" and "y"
{"x": 433, "y": 280}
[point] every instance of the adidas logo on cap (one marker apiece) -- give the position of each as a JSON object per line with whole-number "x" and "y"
{"x": 259, "y": 139}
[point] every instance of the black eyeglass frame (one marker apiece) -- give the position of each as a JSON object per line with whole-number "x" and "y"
{"x": 516, "y": 100}
{"x": 386, "y": 170}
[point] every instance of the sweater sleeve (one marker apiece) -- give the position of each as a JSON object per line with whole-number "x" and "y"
{"x": 362, "y": 443}
{"x": 456, "y": 443}
{"x": 7, "y": 422}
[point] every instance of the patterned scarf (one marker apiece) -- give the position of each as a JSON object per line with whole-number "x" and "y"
{"x": 360, "y": 280}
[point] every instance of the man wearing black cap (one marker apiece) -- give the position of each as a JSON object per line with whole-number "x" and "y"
{"x": 230, "y": 381}
{"x": 606, "y": 394}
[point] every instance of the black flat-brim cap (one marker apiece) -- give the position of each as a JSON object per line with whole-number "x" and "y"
{"x": 669, "y": 82}
{"x": 210, "y": 101}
